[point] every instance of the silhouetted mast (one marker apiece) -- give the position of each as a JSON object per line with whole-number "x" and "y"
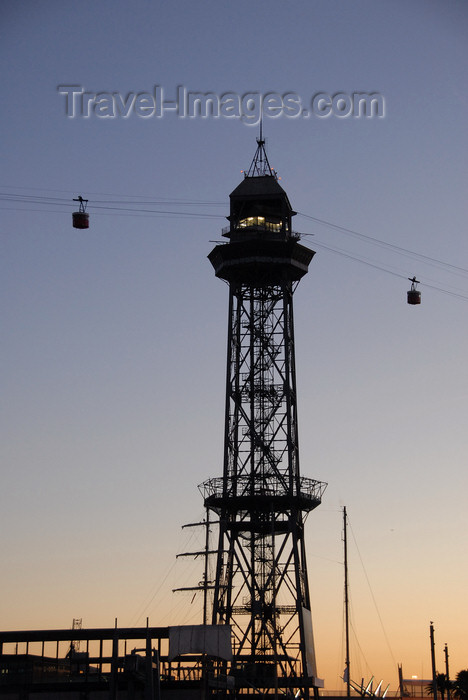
{"x": 346, "y": 602}
{"x": 433, "y": 663}
{"x": 447, "y": 675}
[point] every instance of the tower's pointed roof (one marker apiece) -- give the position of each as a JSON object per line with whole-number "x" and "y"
{"x": 261, "y": 184}
{"x": 260, "y": 164}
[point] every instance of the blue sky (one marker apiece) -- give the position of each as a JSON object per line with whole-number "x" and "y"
{"x": 114, "y": 338}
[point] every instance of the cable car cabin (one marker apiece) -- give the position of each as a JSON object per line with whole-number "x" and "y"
{"x": 80, "y": 219}
{"x": 414, "y": 295}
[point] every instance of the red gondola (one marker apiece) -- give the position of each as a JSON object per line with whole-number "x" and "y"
{"x": 414, "y": 295}
{"x": 81, "y": 217}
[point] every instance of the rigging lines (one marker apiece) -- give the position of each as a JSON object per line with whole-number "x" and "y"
{"x": 111, "y": 204}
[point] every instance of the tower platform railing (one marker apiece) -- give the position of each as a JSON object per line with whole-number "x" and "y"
{"x": 267, "y": 227}
{"x": 305, "y": 493}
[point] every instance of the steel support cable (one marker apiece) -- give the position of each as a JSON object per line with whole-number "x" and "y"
{"x": 153, "y": 595}
{"x": 138, "y": 212}
{"x": 135, "y": 210}
{"x": 144, "y": 199}
{"x": 372, "y": 595}
{"x": 145, "y": 605}
{"x": 139, "y": 199}
{"x": 377, "y": 241}
{"x": 355, "y": 639}
{"x": 402, "y": 275}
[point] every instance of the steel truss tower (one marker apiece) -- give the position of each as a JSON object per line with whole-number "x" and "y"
{"x": 261, "y": 501}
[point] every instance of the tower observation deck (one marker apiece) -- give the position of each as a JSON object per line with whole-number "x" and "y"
{"x": 261, "y": 501}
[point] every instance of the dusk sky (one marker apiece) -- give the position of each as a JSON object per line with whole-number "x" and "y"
{"x": 114, "y": 338}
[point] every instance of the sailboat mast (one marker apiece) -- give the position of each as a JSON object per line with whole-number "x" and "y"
{"x": 447, "y": 675}
{"x": 434, "y": 673}
{"x": 346, "y": 602}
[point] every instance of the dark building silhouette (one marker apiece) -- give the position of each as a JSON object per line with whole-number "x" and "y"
{"x": 261, "y": 500}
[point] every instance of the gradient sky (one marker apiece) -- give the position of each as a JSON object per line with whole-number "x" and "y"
{"x": 114, "y": 339}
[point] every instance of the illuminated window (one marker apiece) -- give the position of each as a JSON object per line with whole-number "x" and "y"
{"x": 260, "y": 222}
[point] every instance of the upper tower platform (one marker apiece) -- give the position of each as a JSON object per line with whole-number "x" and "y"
{"x": 262, "y": 246}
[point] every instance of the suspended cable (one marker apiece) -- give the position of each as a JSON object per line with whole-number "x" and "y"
{"x": 377, "y": 241}
{"x": 145, "y": 606}
{"x": 372, "y": 595}
{"x": 139, "y": 212}
{"x": 103, "y": 207}
{"x": 365, "y": 261}
{"x": 38, "y": 199}
{"x": 145, "y": 200}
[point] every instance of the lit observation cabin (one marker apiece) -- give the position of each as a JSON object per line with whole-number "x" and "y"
{"x": 262, "y": 244}
{"x": 259, "y": 204}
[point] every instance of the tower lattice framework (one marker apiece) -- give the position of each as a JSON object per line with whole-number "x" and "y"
{"x": 260, "y": 585}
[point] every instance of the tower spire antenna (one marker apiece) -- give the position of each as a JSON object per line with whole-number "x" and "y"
{"x": 260, "y": 165}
